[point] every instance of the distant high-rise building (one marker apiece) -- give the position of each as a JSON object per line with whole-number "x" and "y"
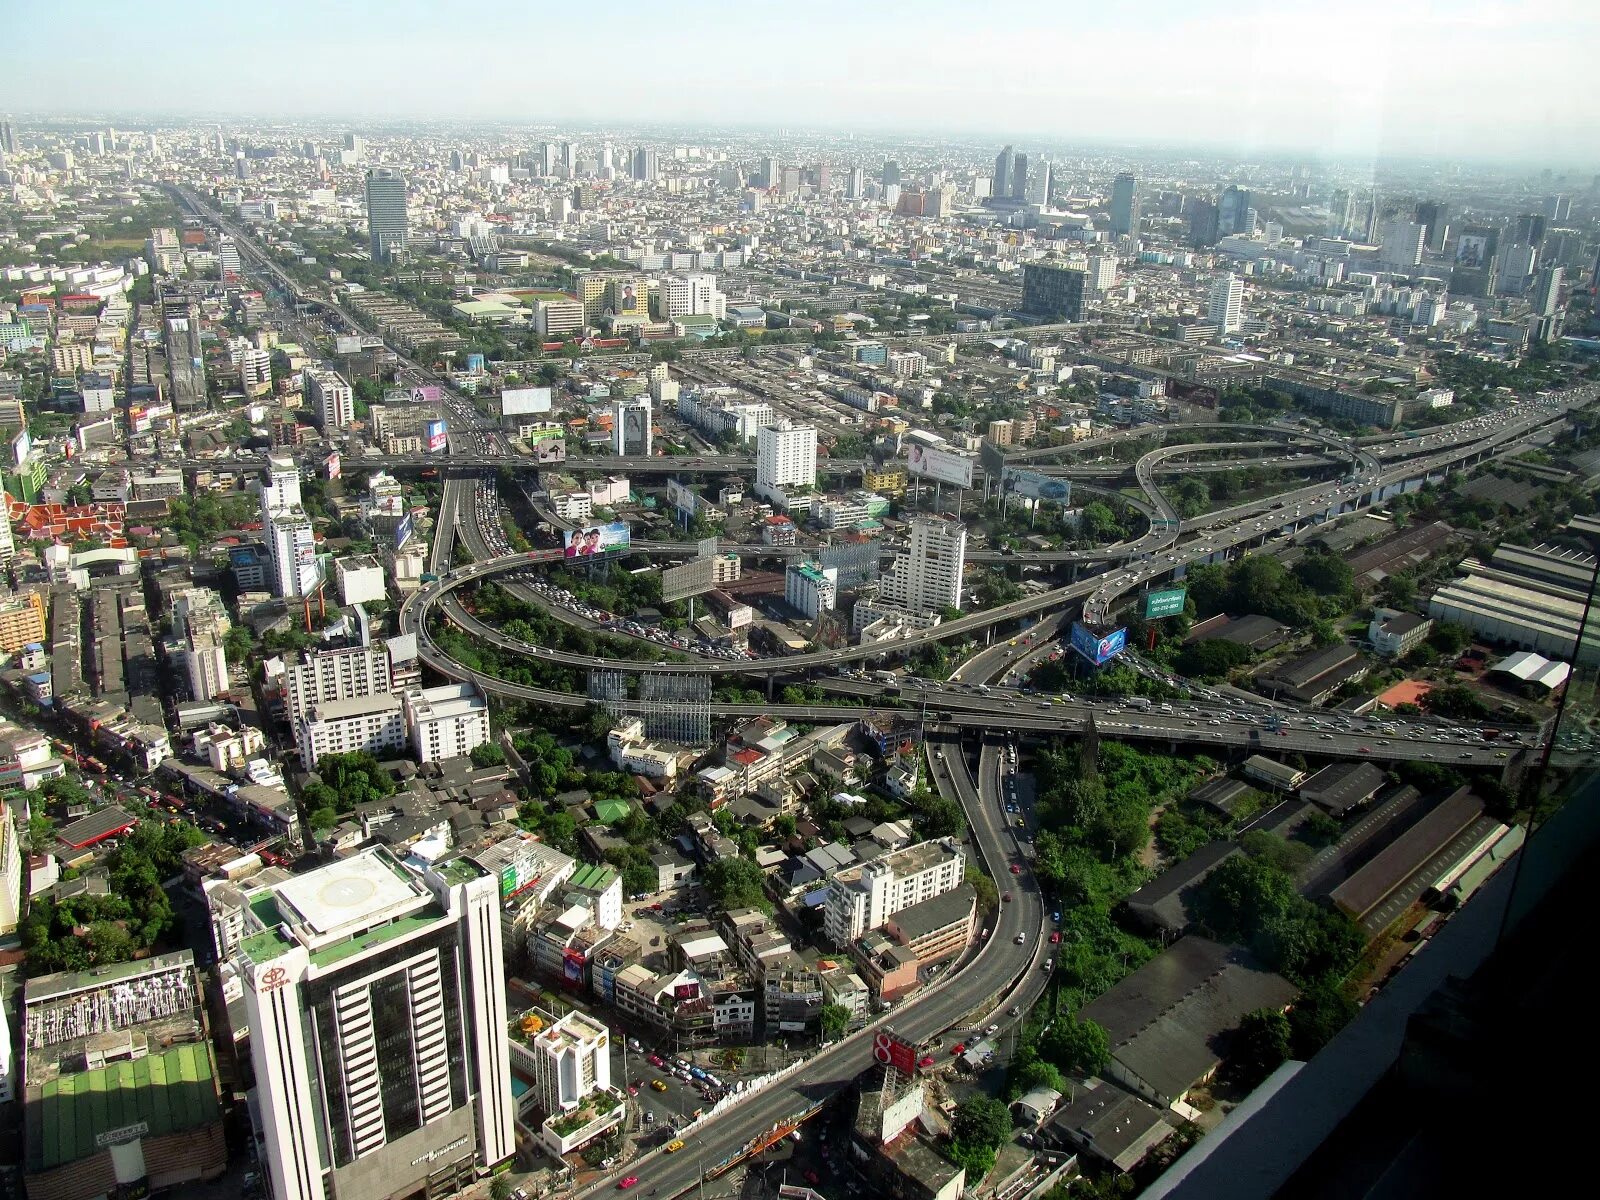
{"x": 329, "y": 396}
{"x": 646, "y": 165}
{"x": 1052, "y": 291}
{"x": 824, "y": 179}
{"x": 1004, "y": 165}
{"x": 1402, "y": 244}
{"x": 1545, "y": 298}
{"x": 891, "y": 173}
{"x": 1434, "y": 217}
{"x": 1233, "y": 212}
{"x": 1529, "y": 230}
{"x": 631, "y": 427}
{"x": 1204, "y": 223}
{"x": 1125, "y": 206}
{"x": 1341, "y": 213}
{"x": 1558, "y": 208}
{"x": 387, "y": 227}
{"x": 8, "y": 136}
{"x": 790, "y": 185}
{"x": 770, "y": 174}
{"x": 1019, "y": 179}
{"x": 241, "y": 165}
{"x": 1369, "y": 224}
{"x": 218, "y": 144}
{"x": 607, "y": 165}
{"x": 378, "y": 1025}
{"x": 1226, "y": 307}
{"x": 1039, "y": 185}
{"x": 228, "y": 258}
{"x": 855, "y": 184}
{"x": 458, "y": 161}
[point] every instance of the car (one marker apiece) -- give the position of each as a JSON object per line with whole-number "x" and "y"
{"x": 1006, "y": 897}
{"x": 626, "y": 1182}
{"x": 633, "y": 1089}
{"x": 958, "y": 1049}
{"x": 659, "y": 1085}
{"x": 674, "y": 1145}
{"x": 1021, "y": 822}
{"x": 655, "y": 1060}
{"x": 1016, "y": 868}
{"x": 1020, "y": 939}
{"x": 1055, "y": 937}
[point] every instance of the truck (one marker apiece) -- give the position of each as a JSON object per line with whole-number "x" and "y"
{"x": 1489, "y": 735}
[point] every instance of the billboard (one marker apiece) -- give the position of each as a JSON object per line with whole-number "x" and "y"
{"x": 403, "y": 531}
{"x": 347, "y": 345}
{"x": 1472, "y": 251}
{"x": 1098, "y": 650}
{"x": 635, "y": 420}
{"x": 1036, "y": 486}
{"x": 517, "y": 402}
{"x": 682, "y": 498}
{"x": 707, "y": 548}
{"x": 550, "y": 450}
{"x": 332, "y": 465}
{"x": 941, "y": 465}
{"x": 425, "y": 395}
{"x": 475, "y": 364}
{"x": 437, "y": 435}
{"x": 690, "y": 579}
{"x": 1168, "y": 603}
{"x": 596, "y": 540}
{"x": 992, "y": 459}
{"x": 892, "y": 1050}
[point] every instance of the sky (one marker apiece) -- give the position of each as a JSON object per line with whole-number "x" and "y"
{"x": 1485, "y": 80}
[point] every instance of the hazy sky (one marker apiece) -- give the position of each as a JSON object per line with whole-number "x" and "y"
{"x": 1482, "y": 79}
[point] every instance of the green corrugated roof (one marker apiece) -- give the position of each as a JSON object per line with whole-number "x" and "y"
{"x": 376, "y": 937}
{"x": 591, "y": 878}
{"x": 171, "y": 1092}
{"x": 609, "y": 812}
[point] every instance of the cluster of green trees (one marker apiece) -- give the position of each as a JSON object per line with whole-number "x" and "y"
{"x": 344, "y": 783}
{"x": 206, "y": 515}
{"x": 1321, "y": 586}
{"x": 133, "y": 919}
{"x": 981, "y": 1125}
{"x": 1251, "y": 899}
{"x": 735, "y": 883}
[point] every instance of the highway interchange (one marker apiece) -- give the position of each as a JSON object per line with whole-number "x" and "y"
{"x": 998, "y": 971}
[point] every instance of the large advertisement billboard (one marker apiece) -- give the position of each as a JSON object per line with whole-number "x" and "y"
{"x": 550, "y": 450}
{"x": 425, "y": 395}
{"x": 404, "y": 530}
{"x": 346, "y": 345}
{"x": 596, "y": 540}
{"x": 1097, "y": 649}
{"x": 438, "y": 436}
{"x": 1167, "y": 603}
{"x": 992, "y": 459}
{"x": 892, "y": 1050}
{"x": 940, "y": 464}
{"x": 690, "y": 579}
{"x": 1036, "y": 486}
{"x": 1472, "y": 251}
{"x": 518, "y": 402}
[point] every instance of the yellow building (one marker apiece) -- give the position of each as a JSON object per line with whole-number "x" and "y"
{"x": 886, "y": 481}
{"x": 21, "y": 620}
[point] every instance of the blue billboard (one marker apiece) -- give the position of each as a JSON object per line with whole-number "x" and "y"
{"x": 404, "y": 530}
{"x": 437, "y": 435}
{"x": 475, "y": 363}
{"x": 1097, "y": 649}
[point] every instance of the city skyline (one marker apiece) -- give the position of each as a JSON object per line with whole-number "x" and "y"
{"x": 1381, "y": 84}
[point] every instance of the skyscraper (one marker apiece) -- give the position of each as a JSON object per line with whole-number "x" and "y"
{"x": 786, "y": 458}
{"x": 330, "y": 397}
{"x": 386, "y": 213}
{"x": 8, "y": 136}
{"x": 1233, "y": 211}
{"x": 1402, "y": 244}
{"x": 891, "y": 173}
{"x": 770, "y": 174}
{"x": 855, "y": 184}
{"x": 1558, "y": 208}
{"x": 926, "y": 577}
{"x": 646, "y": 166}
{"x": 631, "y": 427}
{"x": 1052, "y": 291}
{"x": 286, "y": 528}
{"x": 1545, "y": 325}
{"x": 1204, "y": 223}
{"x": 1529, "y": 230}
{"x": 1004, "y": 165}
{"x": 378, "y": 1026}
{"x": 1019, "y": 179}
{"x": 1434, "y": 217}
{"x": 1341, "y": 213}
{"x": 1226, "y": 309}
{"x": 1125, "y": 206}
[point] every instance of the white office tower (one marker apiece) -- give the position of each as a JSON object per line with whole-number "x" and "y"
{"x": 228, "y": 258}
{"x": 448, "y": 721}
{"x": 8, "y": 542}
{"x": 926, "y": 577}
{"x": 1403, "y": 243}
{"x": 378, "y": 1027}
{"x": 286, "y": 529}
{"x": 1101, "y": 275}
{"x": 630, "y": 430}
{"x": 1226, "y": 310}
{"x": 350, "y": 673}
{"x": 571, "y": 1059}
{"x": 863, "y": 898}
{"x": 786, "y": 458}
{"x": 692, "y": 294}
{"x": 11, "y": 887}
{"x": 329, "y": 395}
{"x": 207, "y": 664}
{"x": 280, "y": 486}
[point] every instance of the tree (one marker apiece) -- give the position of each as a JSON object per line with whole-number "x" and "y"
{"x": 981, "y": 1121}
{"x": 1078, "y": 1047}
{"x": 488, "y": 755}
{"x": 1262, "y": 1044}
{"x": 835, "y": 1022}
{"x": 1321, "y": 1012}
{"x": 236, "y": 643}
{"x": 1038, "y": 1074}
{"x": 1449, "y": 638}
{"x": 1211, "y": 658}
{"x": 500, "y": 1188}
{"x": 736, "y": 883}
{"x": 1456, "y": 702}
{"x": 988, "y": 894}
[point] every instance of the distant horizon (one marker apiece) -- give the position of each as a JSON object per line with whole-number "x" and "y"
{"x": 1369, "y": 81}
{"x": 377, "y": 125}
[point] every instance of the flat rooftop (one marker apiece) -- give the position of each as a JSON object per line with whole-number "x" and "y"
{"x": 345, "y": 896}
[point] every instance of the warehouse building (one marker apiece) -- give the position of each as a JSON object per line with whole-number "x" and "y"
{"x": 1528, "y": 598}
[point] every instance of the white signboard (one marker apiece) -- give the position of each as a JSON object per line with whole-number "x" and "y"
{"x": 516, "y": 402}
{"x": 940, "y": 464}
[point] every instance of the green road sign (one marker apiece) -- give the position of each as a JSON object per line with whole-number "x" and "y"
{"x": 1163, "y": 604}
